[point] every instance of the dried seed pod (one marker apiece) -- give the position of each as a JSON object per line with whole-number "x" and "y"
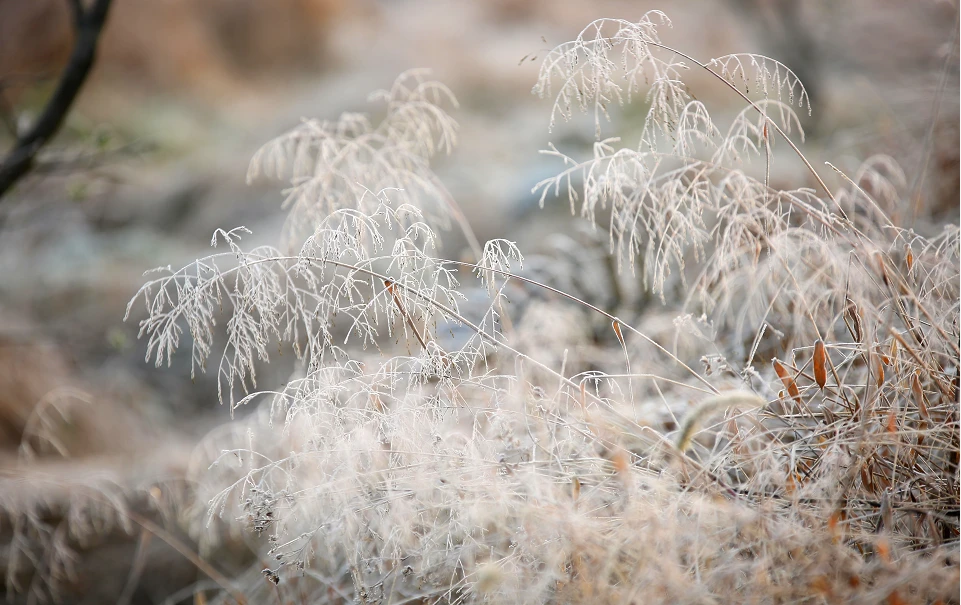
{"x": 852, "y": 319}
{"x": 932, "y": 529}
{"x": 879, "y": 368}
{"x": 820, "y": 364}
{"x": 883, "y": 548}
{"x": 617, "y": 331}
{"x": 787, "y": 380}
{"x": 734, "y": 431}
{"x": 881, "y": 269}
{"x": 866, "y": 478}
{"x": 918, "y": 335}
{"x": 834, "y": 525}
{"x": 790, "y": 485}
{"x": 919, "y": 397}
{"x": 621, "y": 462}
{"x": 821, "y": 586}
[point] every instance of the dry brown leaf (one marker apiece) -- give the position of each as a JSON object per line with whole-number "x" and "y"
{"x": 621, "y": 461}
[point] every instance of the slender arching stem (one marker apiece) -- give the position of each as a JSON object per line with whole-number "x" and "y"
{"x": 614, "y": 320}
{"x": 767, "y": 119}
{"x": 452, "y": 313}
{"x": 480, "y": 331}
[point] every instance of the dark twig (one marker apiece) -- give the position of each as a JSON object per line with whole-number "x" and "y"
{"x": 88, "y": 24}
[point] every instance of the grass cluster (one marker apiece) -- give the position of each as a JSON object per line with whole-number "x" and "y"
{"x": 468, "y": 431}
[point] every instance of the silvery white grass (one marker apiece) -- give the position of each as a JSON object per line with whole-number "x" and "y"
{"x": 514, "y": 466}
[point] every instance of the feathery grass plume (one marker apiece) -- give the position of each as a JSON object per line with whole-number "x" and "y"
{"x": 799, "y": 260}
{"x": 330, "y": 164}
{"x": 723, "y": 401}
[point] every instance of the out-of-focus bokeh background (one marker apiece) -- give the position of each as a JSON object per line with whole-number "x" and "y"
{"x": 153, "y": 158}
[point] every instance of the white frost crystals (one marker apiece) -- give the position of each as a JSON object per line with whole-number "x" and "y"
{"x": 539, "y": 456}
{"x": 330, "y": 164}
{"x": 347, "y": 268}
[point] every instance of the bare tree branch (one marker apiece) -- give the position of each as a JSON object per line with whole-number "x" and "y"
{"x": 89, "y": 23}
